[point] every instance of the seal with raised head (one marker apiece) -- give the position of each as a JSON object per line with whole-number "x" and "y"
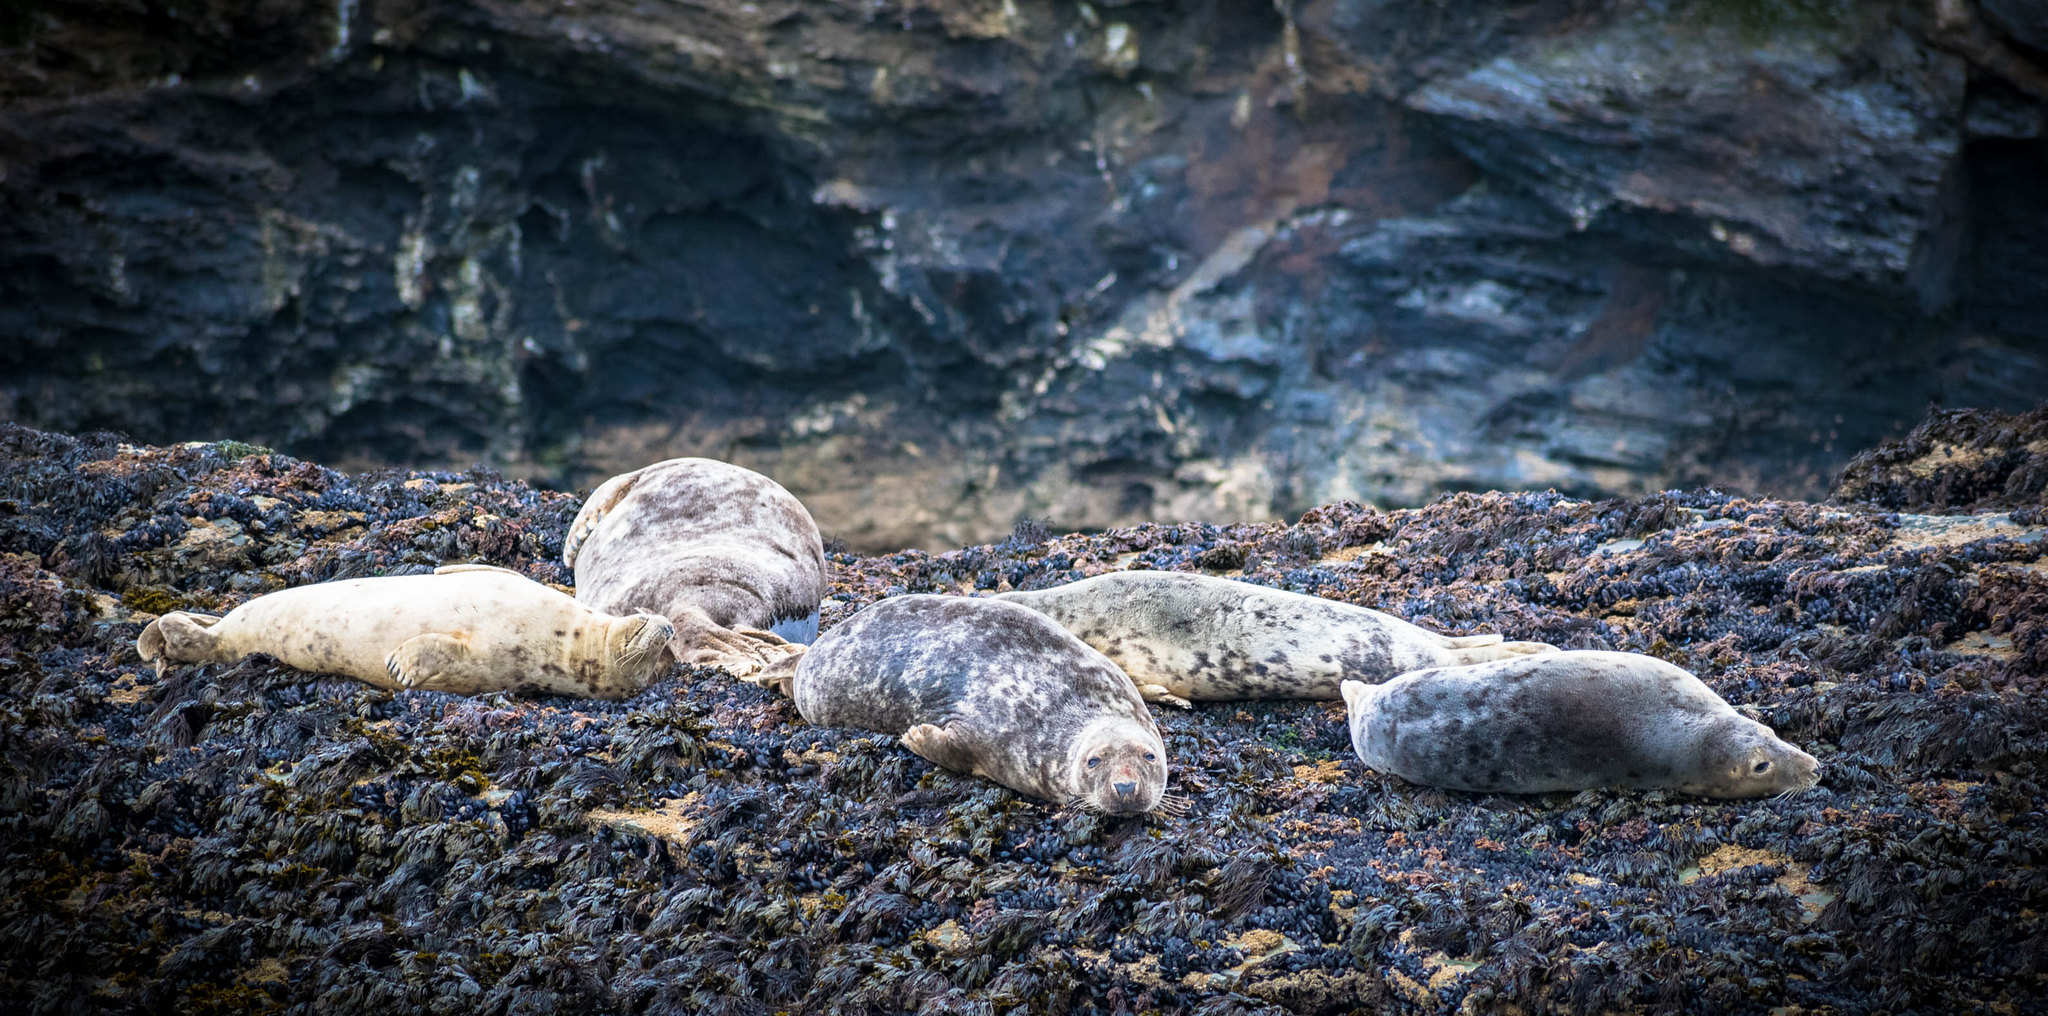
{"x": 466, "y": 629}
{"x": 734, "y": 561}
{"x": 1569, "y": 721}
{"x": 1187, "y": 638}
{"x": 990, "y": 689}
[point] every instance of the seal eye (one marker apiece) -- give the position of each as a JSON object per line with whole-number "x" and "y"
{"x": 1149, "y": 757}
{"x": 1760, "y": 767}
{"x": 1093, "y": 762}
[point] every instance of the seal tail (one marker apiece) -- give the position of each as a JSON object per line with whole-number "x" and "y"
{"x": 1357, "y": 695}
{"x": 179, "y": 637}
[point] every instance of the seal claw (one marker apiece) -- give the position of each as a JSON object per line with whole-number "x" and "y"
{"x": 1161, "y": 694}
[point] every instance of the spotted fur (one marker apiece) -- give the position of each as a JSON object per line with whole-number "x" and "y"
{"x": 730, "y": 557}
{"x": 990, "y": 689}
{"x": 1189, "y": 638}
{"x": 466, "y": 629}
{"x": 1569, "y": 721}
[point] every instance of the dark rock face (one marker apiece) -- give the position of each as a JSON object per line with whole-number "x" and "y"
{"x": 939, "y": 265}
{"x": 245, "y": 838}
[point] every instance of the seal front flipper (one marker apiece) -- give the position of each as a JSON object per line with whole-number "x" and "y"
{"x": 179, "y": 637}
{"x": 940, "y": 747}
{"x": 1497, "y": 650}
{"x": 600, "y": 503}
{"x": 1164, "y": 695}
{"x": 779, "y": 676}
{"x": 434, "y": 662}
{"x": 473, "y": 566}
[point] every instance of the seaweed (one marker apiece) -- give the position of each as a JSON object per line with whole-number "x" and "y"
{"x": 244, "y": 837}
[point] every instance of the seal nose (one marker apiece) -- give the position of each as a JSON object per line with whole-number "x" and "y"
{"x": 1125, "y": 789}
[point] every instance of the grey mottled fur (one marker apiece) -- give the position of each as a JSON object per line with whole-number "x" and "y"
{"x": 1188, "y": 638}
{"x": 991, "y": 689}
{"x": 1569, "y": 721}
{"x": 731, "y": 558}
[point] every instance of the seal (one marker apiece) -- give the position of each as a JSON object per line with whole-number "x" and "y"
{"x": 990, "y": 689}
{"x": 726, "y": 554}
{"x": 464, "y": 629}
{"x": 1569, "y": 721}
{"x": 1186, "y": 638}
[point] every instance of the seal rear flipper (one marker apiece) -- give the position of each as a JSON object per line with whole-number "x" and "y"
{"x": 178, "y": 637}
{"x": 600, "y": 503}
{"x": 941, "y": 747}
{"x": 740, "y": 652}
{"x": 434, "y": 662}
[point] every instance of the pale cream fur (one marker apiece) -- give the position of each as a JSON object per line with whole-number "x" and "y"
{"x": 465, "y": 629}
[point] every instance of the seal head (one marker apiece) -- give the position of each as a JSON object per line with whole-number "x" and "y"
{"x": 1739, "y": 757}
{"x": 1115, "y": 773}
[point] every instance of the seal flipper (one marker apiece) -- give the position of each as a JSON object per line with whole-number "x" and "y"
{"x": 179, "y": 637}
{"x": 1470, "y": 641}
{"x": 600, "y": 503}
{"x": 1162, "y": 694}
{"x": 779, "y": 676}
{"x": 1498, "y": 651}
{"x": 434, "y": 662}
{"x": 940, "y": 747}
{"x": 474, "y": 566}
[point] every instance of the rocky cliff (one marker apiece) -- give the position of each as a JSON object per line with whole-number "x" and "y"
{"x": 244, "y": 838}
{"x": 937, "y": 264}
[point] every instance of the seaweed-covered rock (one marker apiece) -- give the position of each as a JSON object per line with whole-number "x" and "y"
{"x": 246, "y": 838}
{"x": 1957, "y": 461}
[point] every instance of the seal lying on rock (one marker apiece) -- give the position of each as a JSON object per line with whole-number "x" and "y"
{"x": 1569, "y": 721}
{"x": 721, "y": 551}
{"x": 990, "y": 689}
{"x": 1187, "y": 638}
{"x": 465, "y": 629}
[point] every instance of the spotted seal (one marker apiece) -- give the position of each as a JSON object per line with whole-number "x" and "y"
{"x": 465, "y": 629}
{"x": 990, "y": 689}
{"x": 1569, "y": 721}
{"x": 1186, "y": 638}
{"x": 726, "y": 554}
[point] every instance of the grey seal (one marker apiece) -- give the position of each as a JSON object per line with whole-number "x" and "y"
{"x": 990, "y": 689}
{"x": 734, "y": 561}
{"x": 1569, "y": 721}
{"x": 1187, "y": 638}
{"x": 465, "y": 629}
